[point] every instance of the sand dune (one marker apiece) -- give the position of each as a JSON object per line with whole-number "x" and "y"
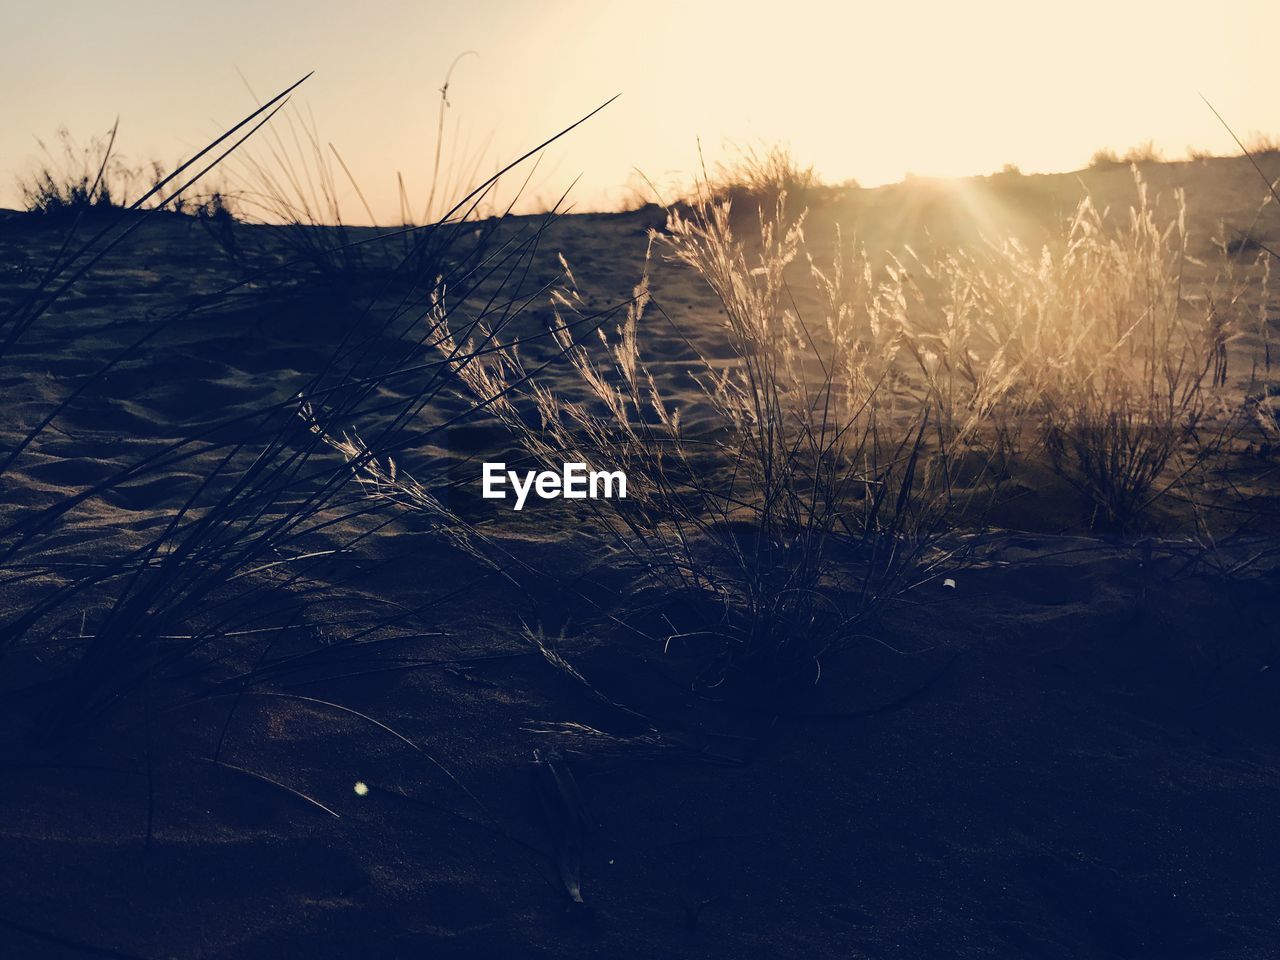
{"x": 1072, "y": 752}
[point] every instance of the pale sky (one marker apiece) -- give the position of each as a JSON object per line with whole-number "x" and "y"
{"x": 862, "y": 90}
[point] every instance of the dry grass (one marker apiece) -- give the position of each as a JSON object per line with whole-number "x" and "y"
{"x": 230, "y": 594}
{"x": 1104, "y": 157}
{"x": 1144, "y": 152}
{"x": 1125, "y": 366}
{"x": 842, "y": 450}
{"x": 849, "y": 456}
{"x": 1262, "y": 144}
{"x": 300, "y": 185}
{"x": 77, "y": 178}
{"x": 756, "y": 177}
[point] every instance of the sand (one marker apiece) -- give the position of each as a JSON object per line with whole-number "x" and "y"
{"x": 1071, "y": 753}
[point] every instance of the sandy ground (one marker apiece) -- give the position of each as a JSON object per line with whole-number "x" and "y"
{"x": 1072, "y": 753}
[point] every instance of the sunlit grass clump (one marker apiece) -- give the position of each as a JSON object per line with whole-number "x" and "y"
{"x": 1124, "y": 365}
{"x": 835, "y": 459}
{"x": 841, "y": 448}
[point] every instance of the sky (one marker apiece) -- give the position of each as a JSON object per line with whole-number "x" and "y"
{"x": 868, "y": 91}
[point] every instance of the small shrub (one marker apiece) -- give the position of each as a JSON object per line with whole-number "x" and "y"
{"x": 1144, "y": 152}
{"x": 77, "y": 178}
{"x": 759, "y": 175}
{"x": 1262, "y": 145}
{"x": 215, "y": 207}
{"x": 1103, "y": 158}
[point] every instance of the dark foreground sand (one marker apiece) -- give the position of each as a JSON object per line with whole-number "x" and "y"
{"x": 1073, "y": 753}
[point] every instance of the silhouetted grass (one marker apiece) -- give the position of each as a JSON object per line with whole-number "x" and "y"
{"x": 228, "y": 593}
